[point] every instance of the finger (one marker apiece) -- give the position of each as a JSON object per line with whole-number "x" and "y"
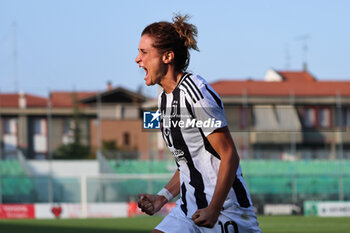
{"x": 144, "y": 204}
{"x": 148, "y": 206}
{"x": 207, "y": 223}
{"x": 149, "y": 211}
{"x": 204, "y": 224}
{"x": 199, "y": 219}
{"x": 140, "y": 201}
{"x": 195, "y": 215}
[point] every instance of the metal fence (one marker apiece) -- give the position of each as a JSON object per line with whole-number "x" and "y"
{"x": 267, "y": 188}
{"x": 102, "y": 188}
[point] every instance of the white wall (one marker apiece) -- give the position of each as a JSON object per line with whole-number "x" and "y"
{"x": 94, "y": 210}
{"x": 64, "y": 167}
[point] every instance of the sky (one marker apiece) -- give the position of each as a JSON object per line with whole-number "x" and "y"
{"x": 80, "y": 45}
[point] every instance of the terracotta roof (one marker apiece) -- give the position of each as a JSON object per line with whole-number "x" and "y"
{"x": 297, "y": 76}
{"x": 65, "y": 99}
{"x": 299, "y": 83}
{"x": 9, "y": 100}
{"x": 35, "y": 101}
{"x": 261, "y": 88}
{"x": 12, "y": 100}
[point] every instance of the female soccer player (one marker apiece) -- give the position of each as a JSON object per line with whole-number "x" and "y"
{"x": 213, "y": 196}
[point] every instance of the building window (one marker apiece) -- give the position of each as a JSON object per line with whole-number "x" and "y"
{"x": 122, "y": 112}
{"x": 343, "y": 117}
{"x": 346, "y": 118}
{"x": 39, "y": 126}
{"x": 67, "y": 126}
{"x": 324, "y": 118}
{"x": 126, "y": 139}
{"x": 10, "y": 126}
{"x": 310, "y": 117}
{"x": 320, "y": 117}
{"x": 243, "y": 117}
{"x": 7, "y": 126}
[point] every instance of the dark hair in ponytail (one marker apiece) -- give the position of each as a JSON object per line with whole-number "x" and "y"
{"x": 178, "y": 36}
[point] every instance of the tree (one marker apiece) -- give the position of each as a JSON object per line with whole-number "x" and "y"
{"x": 75, "y": 149}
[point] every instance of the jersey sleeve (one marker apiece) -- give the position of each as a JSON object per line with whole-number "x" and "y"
{"x": 207, "y": 108}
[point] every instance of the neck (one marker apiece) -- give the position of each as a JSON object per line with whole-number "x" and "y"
{"x": 170, "y": 81}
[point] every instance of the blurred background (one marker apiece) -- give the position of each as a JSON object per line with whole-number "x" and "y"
{"x": 72, "y": 101}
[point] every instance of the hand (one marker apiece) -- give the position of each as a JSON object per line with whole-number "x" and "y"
{"x": 151, "y": 204}
{"x": 206, "y": 217}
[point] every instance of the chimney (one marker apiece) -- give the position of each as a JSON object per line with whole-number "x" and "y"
{"x": 22, "y": 100}
{"x": 109, "y": 86}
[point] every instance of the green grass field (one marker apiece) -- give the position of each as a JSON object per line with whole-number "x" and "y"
{"x": 268, "y": 224}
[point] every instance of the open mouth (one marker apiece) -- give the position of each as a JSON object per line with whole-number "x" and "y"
{"x": 146, "y": 72}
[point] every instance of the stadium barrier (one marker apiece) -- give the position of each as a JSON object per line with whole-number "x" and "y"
{"x": 264, "y": 188}
{"x": 281, "y": 209}
{"x": 268, "y": 181}
{"x": 327, "y": 208}
{"x": 70, "y": 210}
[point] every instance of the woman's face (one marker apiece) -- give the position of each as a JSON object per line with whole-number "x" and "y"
{"x": 150, "y": 59}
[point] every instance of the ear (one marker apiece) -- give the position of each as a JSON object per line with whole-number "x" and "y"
{"x": 168, "y": 57}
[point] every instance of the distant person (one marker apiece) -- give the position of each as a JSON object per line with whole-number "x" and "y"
{"x": 213, "y": 196}
{"x": 132, "y": 207}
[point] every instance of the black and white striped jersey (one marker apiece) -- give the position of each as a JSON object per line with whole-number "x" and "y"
{"x": 188, "y": 115}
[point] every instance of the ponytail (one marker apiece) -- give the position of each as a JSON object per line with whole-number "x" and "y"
{"x": 187, "y": 32}
{"x": 178, "y": 36}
